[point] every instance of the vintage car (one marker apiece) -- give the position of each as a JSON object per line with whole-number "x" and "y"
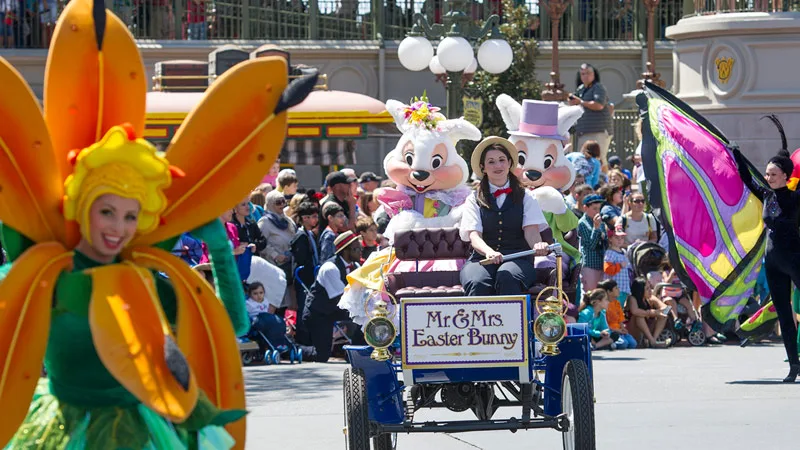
{"x": 463, "y": 353}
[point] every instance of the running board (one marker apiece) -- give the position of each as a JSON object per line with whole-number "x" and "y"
{"x": 559, "y": 423}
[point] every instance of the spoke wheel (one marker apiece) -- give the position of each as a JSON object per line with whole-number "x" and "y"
{"x": 387, "y": 441}
{"x": 356, "y": 418}
{"x": 577, "y": 403}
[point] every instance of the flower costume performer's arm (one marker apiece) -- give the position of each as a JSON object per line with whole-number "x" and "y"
{"x": 88, "y": 208}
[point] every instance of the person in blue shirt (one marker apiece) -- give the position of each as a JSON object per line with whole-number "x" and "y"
{"x": 587, "y": 162}
{"x": 593, "y": 313}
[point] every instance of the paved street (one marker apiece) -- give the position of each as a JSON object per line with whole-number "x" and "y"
{"x": 719, "y": 398}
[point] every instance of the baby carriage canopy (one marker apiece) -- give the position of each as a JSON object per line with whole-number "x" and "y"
{"x": 645, "y": 257}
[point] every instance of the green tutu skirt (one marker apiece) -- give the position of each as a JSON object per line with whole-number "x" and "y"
{"x": 53, "y": 425}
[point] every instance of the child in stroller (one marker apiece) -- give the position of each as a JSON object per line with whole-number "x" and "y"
{"x": 270, "y": 333}
{"x": 685, "y": 320}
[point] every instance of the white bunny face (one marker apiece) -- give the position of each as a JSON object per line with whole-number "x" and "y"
{"x": 542, "y": 163}
{"x": 541, "y": 159}
{"x": 425, "y": 157}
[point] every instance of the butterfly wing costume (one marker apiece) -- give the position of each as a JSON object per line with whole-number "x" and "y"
{"x": 713, "y": 221}
{"x": 133, "y": 360}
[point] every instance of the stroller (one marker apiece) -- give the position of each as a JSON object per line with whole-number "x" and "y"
{"x": 646, "y": 259}
{"x": 267, "y": 347}
{"x": 269, "y": 337}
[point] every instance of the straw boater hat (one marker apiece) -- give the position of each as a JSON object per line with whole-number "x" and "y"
{"x": 344, "y": 240}
{"x": 486, "y": 143}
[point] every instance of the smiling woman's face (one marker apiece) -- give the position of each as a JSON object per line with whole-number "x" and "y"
{"x": 496, "y": 166}
{"x": 112, "y": 226}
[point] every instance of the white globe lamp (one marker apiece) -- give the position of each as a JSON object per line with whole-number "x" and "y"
{"x": 455, "y": 53}
{"x": 495, "y": 56}
{"x": 415, "y": 53}
{"x": 473, "y": 66}
{"x": 436, "y": 66}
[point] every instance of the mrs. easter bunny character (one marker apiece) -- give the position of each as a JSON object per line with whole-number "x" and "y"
{"x": 431, "y": 186}
{"x": 538, "y": 130}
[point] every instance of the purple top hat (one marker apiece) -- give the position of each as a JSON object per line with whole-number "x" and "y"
{"x": 539, "y": 119}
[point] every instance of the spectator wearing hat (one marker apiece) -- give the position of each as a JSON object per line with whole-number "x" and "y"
{"x": 321, "y": 310}
{"x": 339, "y": 192}
{"x": 369, "y": 181}
{"x": 351, "y": 174}
{"x": 501, "y": 217}
{"x": 337, "y": 223}
{"x": 593, "y": 242}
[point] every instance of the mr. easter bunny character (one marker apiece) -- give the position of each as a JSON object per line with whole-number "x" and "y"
{"x": 538, "y": 130}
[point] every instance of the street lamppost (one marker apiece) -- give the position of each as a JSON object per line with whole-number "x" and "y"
{"x": 454, "y": 53}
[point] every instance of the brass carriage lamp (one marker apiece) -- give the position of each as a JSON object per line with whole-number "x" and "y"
{"x": 379, "y": 332}
{"x": 550, "y": 328}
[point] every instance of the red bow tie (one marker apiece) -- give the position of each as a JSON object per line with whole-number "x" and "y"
{"x": 500, "y": 192}
{"x": 350, "y": 266}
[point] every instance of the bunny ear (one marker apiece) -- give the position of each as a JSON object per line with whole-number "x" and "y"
{"x": 397, "y": 110}
{"x": 510, "y": 110}
{"x": 459, "y": 129}
{"x": 567, "y": 116}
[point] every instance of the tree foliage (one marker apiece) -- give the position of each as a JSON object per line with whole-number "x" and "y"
{"x": 519, "y": 81}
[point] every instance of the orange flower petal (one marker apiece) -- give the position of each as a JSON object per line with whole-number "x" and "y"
{"x": 225, "y": 146}
{"x": 25, "y": 306}
{"x": 88, "y": 90}
{"x": 30, "y": 190}
{"x": 133, "y": 339}
{"x": 205, "y": 334}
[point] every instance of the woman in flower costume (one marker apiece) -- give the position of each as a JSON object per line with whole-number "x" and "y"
{"x": 90, "y": 211}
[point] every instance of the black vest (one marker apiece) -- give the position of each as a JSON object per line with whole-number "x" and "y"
{"x": 502, "y": 227}
{"x": 318, "y": 300}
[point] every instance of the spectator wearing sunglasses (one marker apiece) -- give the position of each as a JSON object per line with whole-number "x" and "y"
{"x": 639, "y": 225}
{"x": 279, "y": 231}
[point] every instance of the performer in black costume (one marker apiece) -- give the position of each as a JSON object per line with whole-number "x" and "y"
{"x": 500, "y": 218}
{"x": 782, "y": 218}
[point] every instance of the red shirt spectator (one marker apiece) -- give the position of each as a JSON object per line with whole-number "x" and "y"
{"x": 196, "y": 11}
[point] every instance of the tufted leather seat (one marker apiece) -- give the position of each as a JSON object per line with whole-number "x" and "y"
{"x": 427, "y": 244}
{"x": 445, "y": 243}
